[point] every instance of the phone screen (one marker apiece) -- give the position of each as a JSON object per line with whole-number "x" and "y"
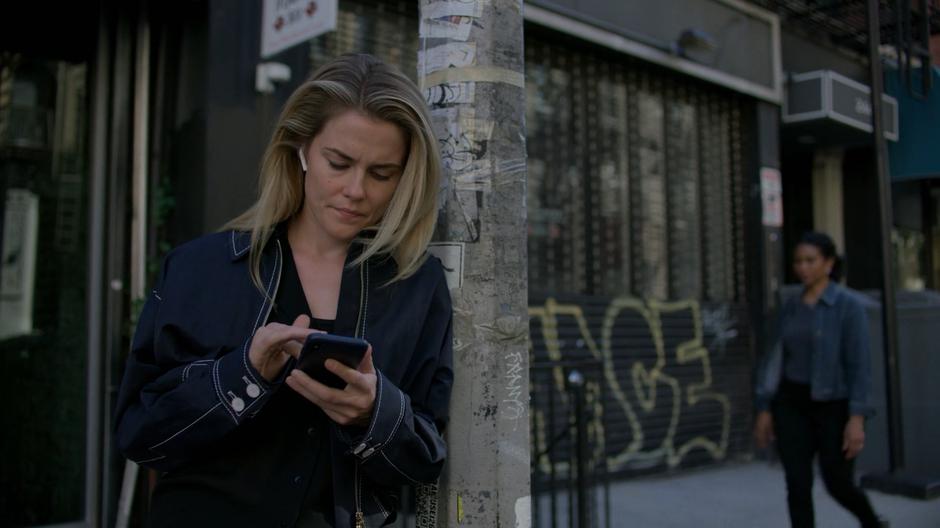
{"x": 320, "y": 347}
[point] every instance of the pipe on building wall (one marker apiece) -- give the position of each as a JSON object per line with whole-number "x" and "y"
{"x": 888, "y": 300}
{"x": 139, "y": 214}
{"x": 98, "y": 175}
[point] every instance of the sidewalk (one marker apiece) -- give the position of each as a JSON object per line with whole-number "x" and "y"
{"x": 750, "y": 494}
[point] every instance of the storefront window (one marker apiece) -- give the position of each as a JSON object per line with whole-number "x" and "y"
{"x": 634, "y": 179}
{"x": 43, "y": 175}
{"x": 909, "y": 247}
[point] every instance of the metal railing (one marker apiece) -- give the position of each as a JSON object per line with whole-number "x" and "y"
{"x": 570, "y": 485}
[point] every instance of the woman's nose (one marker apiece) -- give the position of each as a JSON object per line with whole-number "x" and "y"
{"x": 354, "y": 188}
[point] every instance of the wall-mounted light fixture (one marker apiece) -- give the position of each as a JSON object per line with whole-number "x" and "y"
{"x": 693, "y": 40}
{"x": 268, "y": 73}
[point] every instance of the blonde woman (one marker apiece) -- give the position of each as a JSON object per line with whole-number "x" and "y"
{"x": 336, "y": 242}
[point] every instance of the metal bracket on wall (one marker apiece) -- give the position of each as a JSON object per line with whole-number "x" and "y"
{"x": 268, "y": 73}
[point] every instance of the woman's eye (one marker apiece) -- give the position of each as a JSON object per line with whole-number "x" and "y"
{"x": 381, "y": 177}
{"x": 337, "y": 166}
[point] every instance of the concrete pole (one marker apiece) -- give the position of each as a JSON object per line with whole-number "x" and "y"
{"x": 471, "y": 68}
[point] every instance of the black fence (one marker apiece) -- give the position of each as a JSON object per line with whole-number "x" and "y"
{"x": 570, "y": 485}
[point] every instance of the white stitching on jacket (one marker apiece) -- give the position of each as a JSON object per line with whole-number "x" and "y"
{"x": 185, "y": 428}
{"x": 267, "y": 290}
{"x": 198, "y": 362}
{"x": 218, "y": 391}
{"x": 365, "y": 310}
{"x": 235, "y": 249}
{"x": 379, "y": 503}
{"x": 396, "y": 468}
{"x": 401, "y": 416}
{"x": 378, "y": 403}
{"x": 154, "y": 459}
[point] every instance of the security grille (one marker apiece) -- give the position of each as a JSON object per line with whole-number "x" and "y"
{"x": 636, "y": 265}
{"x": 634, "y": 178}
{"x": 386, "y": 29}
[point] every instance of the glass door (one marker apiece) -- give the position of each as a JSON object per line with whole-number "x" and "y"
{"x": 47, "y": 422}
{"x": 43, "y": 282}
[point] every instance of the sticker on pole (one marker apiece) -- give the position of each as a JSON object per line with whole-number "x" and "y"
{"x": 771, "y": 193}
{"x": 289, "y": 22}
{"x": 451, "y": 255}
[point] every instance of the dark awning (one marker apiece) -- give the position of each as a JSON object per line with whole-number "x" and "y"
{"x": 917, "y": 153}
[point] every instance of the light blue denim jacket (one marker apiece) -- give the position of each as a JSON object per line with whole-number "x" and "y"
{"x": 841, "y": 355}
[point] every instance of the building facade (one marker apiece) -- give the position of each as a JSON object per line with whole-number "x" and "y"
{"x": 658, "y": 158}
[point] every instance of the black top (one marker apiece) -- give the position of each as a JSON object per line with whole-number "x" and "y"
{"x": 798, "y": 344}
{"x": 289, "y": 303}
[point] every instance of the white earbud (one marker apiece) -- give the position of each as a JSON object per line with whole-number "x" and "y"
{"x": 303, "y": 160}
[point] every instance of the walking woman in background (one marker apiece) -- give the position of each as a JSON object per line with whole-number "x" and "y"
{"x": 814, "y": 389}
{"x": 336, "y": 242}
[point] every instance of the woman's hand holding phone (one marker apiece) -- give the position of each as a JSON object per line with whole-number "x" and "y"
{"x": 274, "y": 343}
{"x": 351, "y": 405}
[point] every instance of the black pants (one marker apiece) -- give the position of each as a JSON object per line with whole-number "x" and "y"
{"x": 805, "y": 428}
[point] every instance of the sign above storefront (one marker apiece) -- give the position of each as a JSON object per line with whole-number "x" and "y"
{"x": 825, "y": 95}
{"x": 916, "y": 157}
{"x": 731, "y": 43}
{"x": 289, "y": 22}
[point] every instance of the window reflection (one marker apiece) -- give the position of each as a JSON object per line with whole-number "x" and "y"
{"x": 43, "y": 175}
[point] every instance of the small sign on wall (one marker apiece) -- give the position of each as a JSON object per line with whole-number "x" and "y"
{"x": 771, "y": 192}
{"x": 289, "y": 22}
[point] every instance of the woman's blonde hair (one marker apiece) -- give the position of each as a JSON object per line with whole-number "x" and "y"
{"x": 366, "y": 84}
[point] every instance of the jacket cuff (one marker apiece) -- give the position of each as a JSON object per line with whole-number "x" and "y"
{"x": 762, "y": 404}
{"x": 860, "y": 408}
{"x": 387, "y": 416}
{"x": 238, "y": 385}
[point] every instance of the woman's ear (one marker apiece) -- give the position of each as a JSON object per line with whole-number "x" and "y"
{"x": 303, "y": 159}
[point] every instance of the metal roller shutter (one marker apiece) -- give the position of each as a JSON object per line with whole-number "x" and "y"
{"x": 388, "y": 30}
{"x": 636, "y": 262}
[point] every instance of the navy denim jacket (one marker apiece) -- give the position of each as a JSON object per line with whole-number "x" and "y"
{"x": 841, "y": 355}
{"x": 188, "y": 382}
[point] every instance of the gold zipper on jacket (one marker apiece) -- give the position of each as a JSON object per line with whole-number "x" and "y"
{"x": 360, "y": 520}
{"x": 361, "y": 333}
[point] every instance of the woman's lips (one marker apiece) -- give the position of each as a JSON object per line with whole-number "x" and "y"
{"x": 348, "y": 214}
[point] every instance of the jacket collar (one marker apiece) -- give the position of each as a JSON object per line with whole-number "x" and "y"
{"x": 239, "y": 244}
{"x": 830, "y": 293}
{"x": 240, "y": 241}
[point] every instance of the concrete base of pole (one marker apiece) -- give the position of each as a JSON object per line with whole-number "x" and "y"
{"x": 904, "y": 483}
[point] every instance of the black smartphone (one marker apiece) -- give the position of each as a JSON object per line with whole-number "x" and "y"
{"x": 319, "y": 347}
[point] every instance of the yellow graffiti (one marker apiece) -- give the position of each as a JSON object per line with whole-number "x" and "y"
{"x": 548, "y": 316}
{"x": 647, "y": 380}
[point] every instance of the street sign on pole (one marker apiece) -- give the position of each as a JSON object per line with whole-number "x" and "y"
{"x": 289, "y": 22}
